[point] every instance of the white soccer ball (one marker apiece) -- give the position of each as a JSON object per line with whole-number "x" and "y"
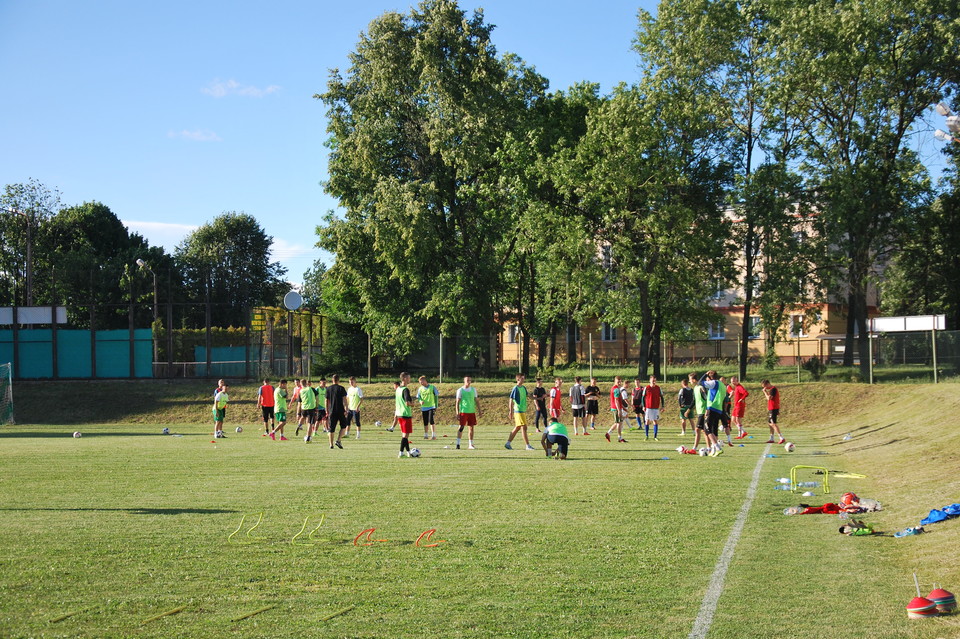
{"x": 415, "y": 452}
{"x": 378, "y": 423}
{"x": 681, "y": 449}
{"x": 239, "y": 429}
{"x": 789, "y": 447}
{"x": 166, "y": 431}
{"x": 702, "y": 452}
{"x": 77, "y": 435}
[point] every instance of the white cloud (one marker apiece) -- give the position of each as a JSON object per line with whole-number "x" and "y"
{"x": 162, "y": 234}
{"x": 222, "y": 88}
{"x": 282, "y": 250}
{"x": 198, "y": 135}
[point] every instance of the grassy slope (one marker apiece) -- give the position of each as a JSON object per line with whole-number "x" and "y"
{"x": 134, "y": 524}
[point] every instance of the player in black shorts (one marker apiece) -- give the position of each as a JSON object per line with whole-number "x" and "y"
{"x": 592, "y": 395}
{"x": 539, "y": 395}
{"x": 336, "y": 411}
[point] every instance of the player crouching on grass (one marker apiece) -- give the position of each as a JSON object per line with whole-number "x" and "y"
{"x": 555, "y": 433}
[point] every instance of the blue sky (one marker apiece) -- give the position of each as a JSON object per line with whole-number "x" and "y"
{"x": 171, "y": 113}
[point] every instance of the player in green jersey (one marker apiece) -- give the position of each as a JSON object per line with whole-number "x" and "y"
{"x": 555, "y": 433}
{"x": 280, "y": 410}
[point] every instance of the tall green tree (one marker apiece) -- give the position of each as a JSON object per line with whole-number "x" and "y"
{"x": 552, "y": 268}
{"x": 93, "y": 264}
{"x": 719, "y": 52}
{"x": 227, "y": 261}
{"x": 24, "y": 208}
{"x": 921, "y": 278}
{"x": 858, "y": 76}
{"x": 657, "y": 184}
{"x": 415, "y": 124}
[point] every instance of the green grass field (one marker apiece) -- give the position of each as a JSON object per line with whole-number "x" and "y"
{"x": 125, "y": 524}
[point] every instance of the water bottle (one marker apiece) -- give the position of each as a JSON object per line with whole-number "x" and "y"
{"x": 847, "y": 437}
{"x": 808, "y": 484}
{"x": 782, "y": 487}
{"x": 784, "y": 480}
{"x": 793, "y": 510}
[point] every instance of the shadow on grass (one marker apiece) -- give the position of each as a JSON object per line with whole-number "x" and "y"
{"x": 134, "y": 511}
{"x": 860, "y": 448}
{"x": 60, "y": 434}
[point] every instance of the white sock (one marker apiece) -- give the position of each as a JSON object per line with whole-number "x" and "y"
{"x": 458, "y": 441}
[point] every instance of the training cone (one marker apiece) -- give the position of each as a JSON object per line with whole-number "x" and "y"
{"x": 944, "y": 599}
{"x": 920, "y": 608}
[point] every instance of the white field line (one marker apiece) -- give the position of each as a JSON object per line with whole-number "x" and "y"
{"x": 701, "y": 626}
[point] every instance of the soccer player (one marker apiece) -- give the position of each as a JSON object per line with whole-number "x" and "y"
{"x": 685, "y": 400}
{"x": 716, "y": 395}
{"x": 540, "y": 404}
{"x": 700, "y": 409}
{"x": 403, "y": 412}
{"x": 592, "y": 395}
{"x": 652, "y": 400}
{"x": 517, "y": 405}
{"x": 618, "y": 408}
{"x": 740, "y": 395}
{"x": 321, "y": 391}
{"x": 773, "y": 410}
{"x": 308, "y": 407}
{"x": 555, "y": 433}
{"x": 467, "y": 410}
{"x": 295, "y": 399}
{"x": 636, "y": 401}
{"x": 336, "y": 398}
{"x": 727, "y": 403}
{"x": 265, "y": 402}
{"x": 429, "y": 398}
{"x": 556, "y": 394}
{"x": 577, "y": 400}
{"x": 354, "y": 399}
{"x": 220, "y": 401}
{"x": 280, "y": 410}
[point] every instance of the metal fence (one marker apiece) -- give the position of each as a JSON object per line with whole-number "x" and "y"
{"x": 273, "y": 342}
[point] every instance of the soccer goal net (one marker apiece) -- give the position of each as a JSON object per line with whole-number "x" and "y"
{"x": 6, "y": 394}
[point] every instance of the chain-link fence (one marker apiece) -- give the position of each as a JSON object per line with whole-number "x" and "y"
{"x": 136, "y": 342}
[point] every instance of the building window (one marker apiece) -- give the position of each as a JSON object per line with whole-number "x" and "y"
{"x": 755, "y": 327}
{"x": 513, "y": 332}
{"x": 718, "y": 331}
{"x": 608, "y": 333}
{"x": 718, "y": 294}
{"x": 796, "y": 326}
{"x": 573, "y": 332}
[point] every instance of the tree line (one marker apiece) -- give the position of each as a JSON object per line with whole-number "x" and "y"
{"x": 766, "y": 145}
{"x": 84, "y": 258}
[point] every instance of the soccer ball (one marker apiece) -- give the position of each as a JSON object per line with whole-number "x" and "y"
{"x": 166, "y": 431}
{"x": 681, "y": 449}
{"x": 77, "y": 435}
{"x": 702, "y": 452}
{"x": 415, "y": 452}
{"x": 789, "y": 447}
{"x": 378, "y": 423}
{"x": 239, "y": 429}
